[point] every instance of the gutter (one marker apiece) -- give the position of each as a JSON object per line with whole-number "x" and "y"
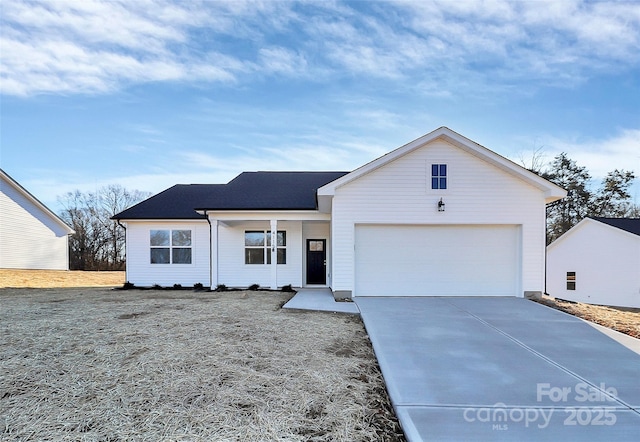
{"x": 210, "y": 252}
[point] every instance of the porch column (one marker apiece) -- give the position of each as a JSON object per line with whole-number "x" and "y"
{"x": 214, "y": 253}
{"x": 274, "y": 254}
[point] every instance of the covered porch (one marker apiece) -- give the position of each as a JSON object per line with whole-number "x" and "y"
{"x": 271, "y": 249}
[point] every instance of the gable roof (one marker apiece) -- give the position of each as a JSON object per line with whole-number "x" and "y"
{"x": 5, "y": 178}
{"x": 628, "y": 225}
{"x": 247, "y": 191}
{"x": 631, "y": 225}
{"x": 551, "y": 191}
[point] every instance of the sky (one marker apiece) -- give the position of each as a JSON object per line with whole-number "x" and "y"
{"x": 151, "y": 93}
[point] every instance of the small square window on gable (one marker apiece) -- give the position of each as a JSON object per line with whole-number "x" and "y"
{"x": 439, "y": 176}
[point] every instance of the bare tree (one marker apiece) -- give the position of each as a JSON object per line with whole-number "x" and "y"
{"x": 634, "y": 211}
{"x": 98, "y": 243}
{"x": 113, "y": 199}
{"x": 534, "y": 162}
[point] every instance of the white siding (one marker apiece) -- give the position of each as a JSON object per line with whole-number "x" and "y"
{"x": 142, "y": 273}
{"x": 400, "y": 193}
{"x": 232, "y": 270}
{"x": 606, "y": 261}
{"x": 29, "y": 237}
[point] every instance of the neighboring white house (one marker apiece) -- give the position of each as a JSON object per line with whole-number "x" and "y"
{"x": 597, "y": 262}
{"x": 441, "y": 215}
{"x": 31, "y": 235}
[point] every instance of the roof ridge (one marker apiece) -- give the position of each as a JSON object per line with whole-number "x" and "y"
{"x": 615, "y": 217}
{"x": 630, "y": 225}
{"x": 247, "y": 191}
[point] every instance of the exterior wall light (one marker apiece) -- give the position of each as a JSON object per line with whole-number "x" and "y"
{"x": 440, "y": 205}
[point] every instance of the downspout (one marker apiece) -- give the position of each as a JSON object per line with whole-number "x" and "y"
{"x": 126, "y": 261}
{"x": 68, "y": 251}
{"x": 210, "y": 252}
{"x": 546, "y": 238}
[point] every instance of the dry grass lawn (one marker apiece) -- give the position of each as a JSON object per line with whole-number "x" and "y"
{"x": 624, "y": 320}
{"x": 109, "y": 365}
{"x": 153, "y": 365}
{"x": 59, "y": 278}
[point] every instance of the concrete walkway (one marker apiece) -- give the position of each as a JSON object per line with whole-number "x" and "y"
{"x": 319, "y": 299}
{"x": 501, "y": 369}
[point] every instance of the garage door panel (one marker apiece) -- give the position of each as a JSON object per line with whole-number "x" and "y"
{"x": 393, "y": 260}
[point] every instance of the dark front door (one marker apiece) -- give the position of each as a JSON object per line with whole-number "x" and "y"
{"x": 316, "y": 261}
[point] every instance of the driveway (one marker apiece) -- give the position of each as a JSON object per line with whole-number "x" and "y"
{"x": 501, "y": 369}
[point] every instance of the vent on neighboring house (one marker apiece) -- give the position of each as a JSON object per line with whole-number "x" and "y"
{"x": 571, "y": 280}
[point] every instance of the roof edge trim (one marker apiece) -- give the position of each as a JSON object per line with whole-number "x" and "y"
{"x": 37, "y": 202}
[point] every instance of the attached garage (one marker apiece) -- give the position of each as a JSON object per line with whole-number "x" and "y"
{"x": 437, "y": 260}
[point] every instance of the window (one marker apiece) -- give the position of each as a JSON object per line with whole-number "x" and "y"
{"x": 257, "y": 247}
{"x": 170, "y": 246}
{"x": 438, "y": 176}
{"x": 571, "y": 280}
{"x": 254, "y": 247}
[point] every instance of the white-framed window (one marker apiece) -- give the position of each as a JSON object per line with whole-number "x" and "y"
{"x": 170, "y": 246}
{"x": 257, "y": 247}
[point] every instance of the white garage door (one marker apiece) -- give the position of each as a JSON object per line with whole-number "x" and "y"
{"x": 461, "y": 260}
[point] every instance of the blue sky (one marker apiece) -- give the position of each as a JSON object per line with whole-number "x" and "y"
{"x": 150, "y": 93}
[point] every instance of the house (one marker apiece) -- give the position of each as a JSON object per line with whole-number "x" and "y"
{"x": 31, "y": 235}
{"x": 597, "y": 262}
{"x": 441, "y": 215}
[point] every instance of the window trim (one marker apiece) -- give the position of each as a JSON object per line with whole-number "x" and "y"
{"x": 440, "y": 179}
{"x": 266, "y": 247}
{"x": 171, "y": 247}
{"x": 571, "y": 281}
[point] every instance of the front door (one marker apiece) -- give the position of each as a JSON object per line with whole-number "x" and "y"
{"x": 316, "y": 261}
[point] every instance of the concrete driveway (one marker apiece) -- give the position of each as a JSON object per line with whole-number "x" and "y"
{"x": 501, "y": 369}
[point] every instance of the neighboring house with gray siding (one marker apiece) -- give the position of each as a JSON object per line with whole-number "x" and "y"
{"x": 31, "y": 235}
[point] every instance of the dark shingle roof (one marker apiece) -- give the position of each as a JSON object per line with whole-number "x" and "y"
{"x": 247, "y": 191}
{"x": 631, "y": 225}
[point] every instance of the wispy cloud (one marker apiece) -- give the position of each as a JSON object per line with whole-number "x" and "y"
{"x": 299, "y": 156}
{"x": 600, "y": 156}
{"x": 89, "y": 46}
{"x": 280, "y": 60}
{"x": 98, "y": 47}
{"x": 542, "y": 40}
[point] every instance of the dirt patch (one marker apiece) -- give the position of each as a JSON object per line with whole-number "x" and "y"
{"x": 624, "y": 320}
{"x": 102, "y": 364}
{"x": 59, "y": 278}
